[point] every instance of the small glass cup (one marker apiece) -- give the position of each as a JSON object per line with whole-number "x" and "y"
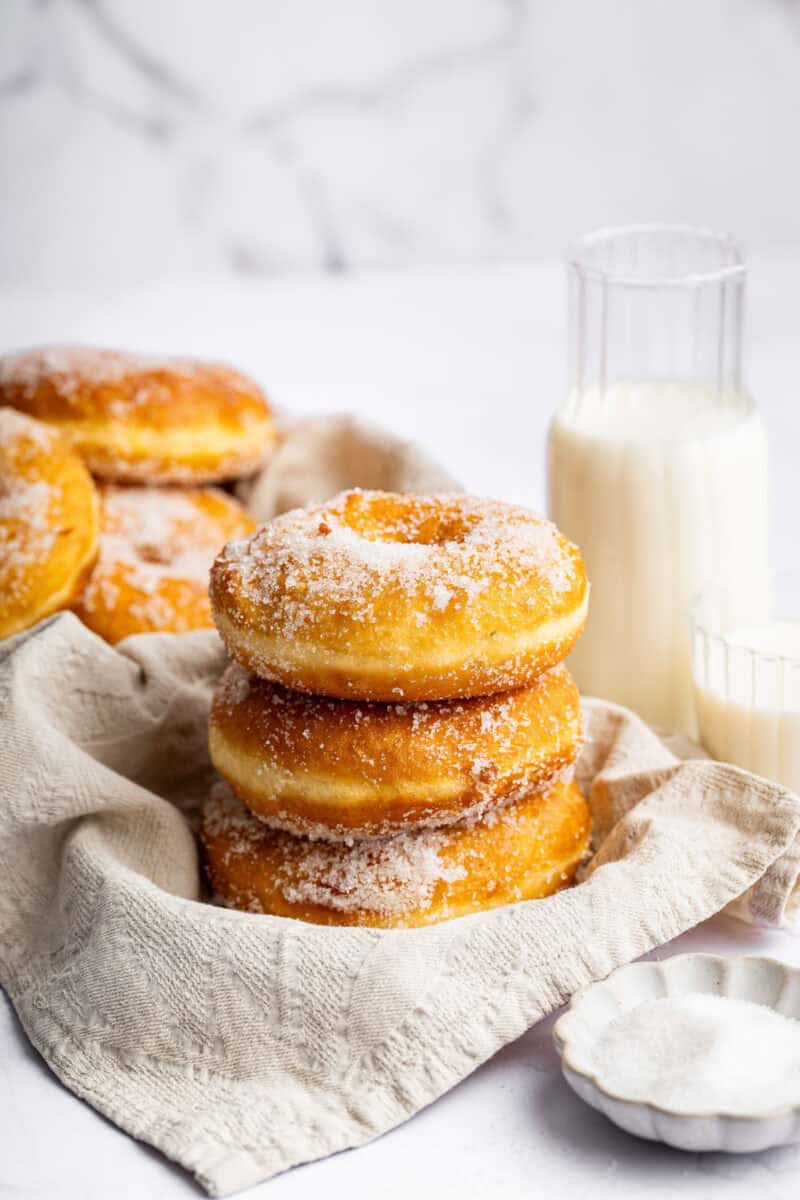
{"x": 747, "y": 679}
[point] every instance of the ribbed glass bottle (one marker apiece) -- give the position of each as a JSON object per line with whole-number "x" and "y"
{"x": 657, "y": 457}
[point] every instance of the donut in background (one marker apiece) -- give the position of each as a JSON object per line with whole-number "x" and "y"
{"x": 137, "y": 419}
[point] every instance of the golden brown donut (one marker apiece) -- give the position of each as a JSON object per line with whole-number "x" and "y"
{"x": 520, "y": 852}
{"x": 136, "y": 419}
{"x": 344, "y": 769}
{"x": 156, "y": 550}
{"x": 382, "y": 596}
{"x": 48, "y": 522}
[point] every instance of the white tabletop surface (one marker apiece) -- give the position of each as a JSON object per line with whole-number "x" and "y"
{"x": 472, "y": 365}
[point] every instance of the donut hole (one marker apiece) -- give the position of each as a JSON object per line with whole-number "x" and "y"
{"x": 407, "y": 520}
{"x": 160, "y": 555}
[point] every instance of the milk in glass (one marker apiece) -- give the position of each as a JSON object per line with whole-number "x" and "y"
{"x": 657, "y": 463}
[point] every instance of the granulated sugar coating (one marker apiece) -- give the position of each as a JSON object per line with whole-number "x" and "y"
{"x": 702, "y": 1054}
{"x": 383, "y": 875}
{"x": 156, "y": 550}
{"x": 71, "y": 368}
{"x": 27, "y": 501}
{"x": 48, "y": 521}
{"x": 337, "y": 554}
{"x": 113, "y": 382}
{"x": 14, "y": 427}
{"x": 382, "y": 596}
{"x": 343, "y": 769}
{"x": 156, "y": 532}
{"x": 527, "y": 849}
{"x": 139, "y": 419}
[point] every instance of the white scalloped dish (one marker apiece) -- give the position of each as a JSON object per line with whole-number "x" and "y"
{"x": 763, "y": 981}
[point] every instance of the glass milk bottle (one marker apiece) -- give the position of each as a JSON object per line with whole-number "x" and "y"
{"x": 657, "y": 458}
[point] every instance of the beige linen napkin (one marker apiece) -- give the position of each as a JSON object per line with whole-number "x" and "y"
{"x": 319, "y": 456}
{"x": 239, "y": 1044}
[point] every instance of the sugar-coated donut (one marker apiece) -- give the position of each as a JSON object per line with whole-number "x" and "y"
{"x": 156, "y": 550}
{"x": 48, "y": 522}
{"x": 519, "y": 852}
{"x": 136, "y": 419}
{"x": 382, "y": 596}
{"x": 342, "y": 769}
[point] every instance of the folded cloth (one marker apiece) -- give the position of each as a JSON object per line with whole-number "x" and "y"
{"x": 320, "y": 456}
{"x": 240, "y": 1044}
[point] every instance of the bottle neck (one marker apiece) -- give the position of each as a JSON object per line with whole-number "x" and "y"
{"x": 658, "y": 306}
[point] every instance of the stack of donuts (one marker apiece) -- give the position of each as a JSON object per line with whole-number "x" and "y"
{"x": 397, "y": 732}
{"x": 105, "y": 460}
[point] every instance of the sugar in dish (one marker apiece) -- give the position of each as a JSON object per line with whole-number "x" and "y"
{"x": 699, "y": 1051}
{"x": 702, "y": 1053}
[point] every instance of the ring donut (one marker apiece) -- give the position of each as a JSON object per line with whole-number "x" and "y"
{"x": 382, "y": 596}
{"x": 521, "y": 852}
{"x": 342, "y": 769}
{"x": 48, "y": 522}
{"x": 136, "y": 419}
{"x": 156, "y": 550}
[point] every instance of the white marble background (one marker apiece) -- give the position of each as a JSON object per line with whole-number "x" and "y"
{"x": 174, "y": 138}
